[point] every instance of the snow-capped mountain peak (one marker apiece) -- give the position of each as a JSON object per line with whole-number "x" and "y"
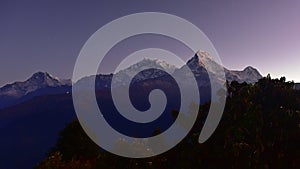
{"x": 36, "y": 81}
{"x": 151, "y": 69}
{"x": 251, "y": 70}
{"x": 202, "y": 62}
{"x": 204, "y": 55}
{"x": 44, "y": 78}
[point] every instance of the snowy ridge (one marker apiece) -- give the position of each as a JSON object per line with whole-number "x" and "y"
{"x": 148, "y": 63}
{"x": 248, "y": 75}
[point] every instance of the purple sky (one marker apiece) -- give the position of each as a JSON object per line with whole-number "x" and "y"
{"x": 48, "y": 36}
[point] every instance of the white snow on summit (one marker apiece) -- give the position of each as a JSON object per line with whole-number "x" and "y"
{"x": 152, "y": 69}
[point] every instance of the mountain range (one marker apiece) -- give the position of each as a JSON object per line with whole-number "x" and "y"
{"x": 34, "y": 111}
{"x": 42, "y": 83}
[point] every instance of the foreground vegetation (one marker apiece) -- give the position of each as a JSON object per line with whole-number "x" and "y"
{"x": 260, "y": 129}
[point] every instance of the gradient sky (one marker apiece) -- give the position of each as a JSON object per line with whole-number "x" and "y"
{"x": 48, "y": 35}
